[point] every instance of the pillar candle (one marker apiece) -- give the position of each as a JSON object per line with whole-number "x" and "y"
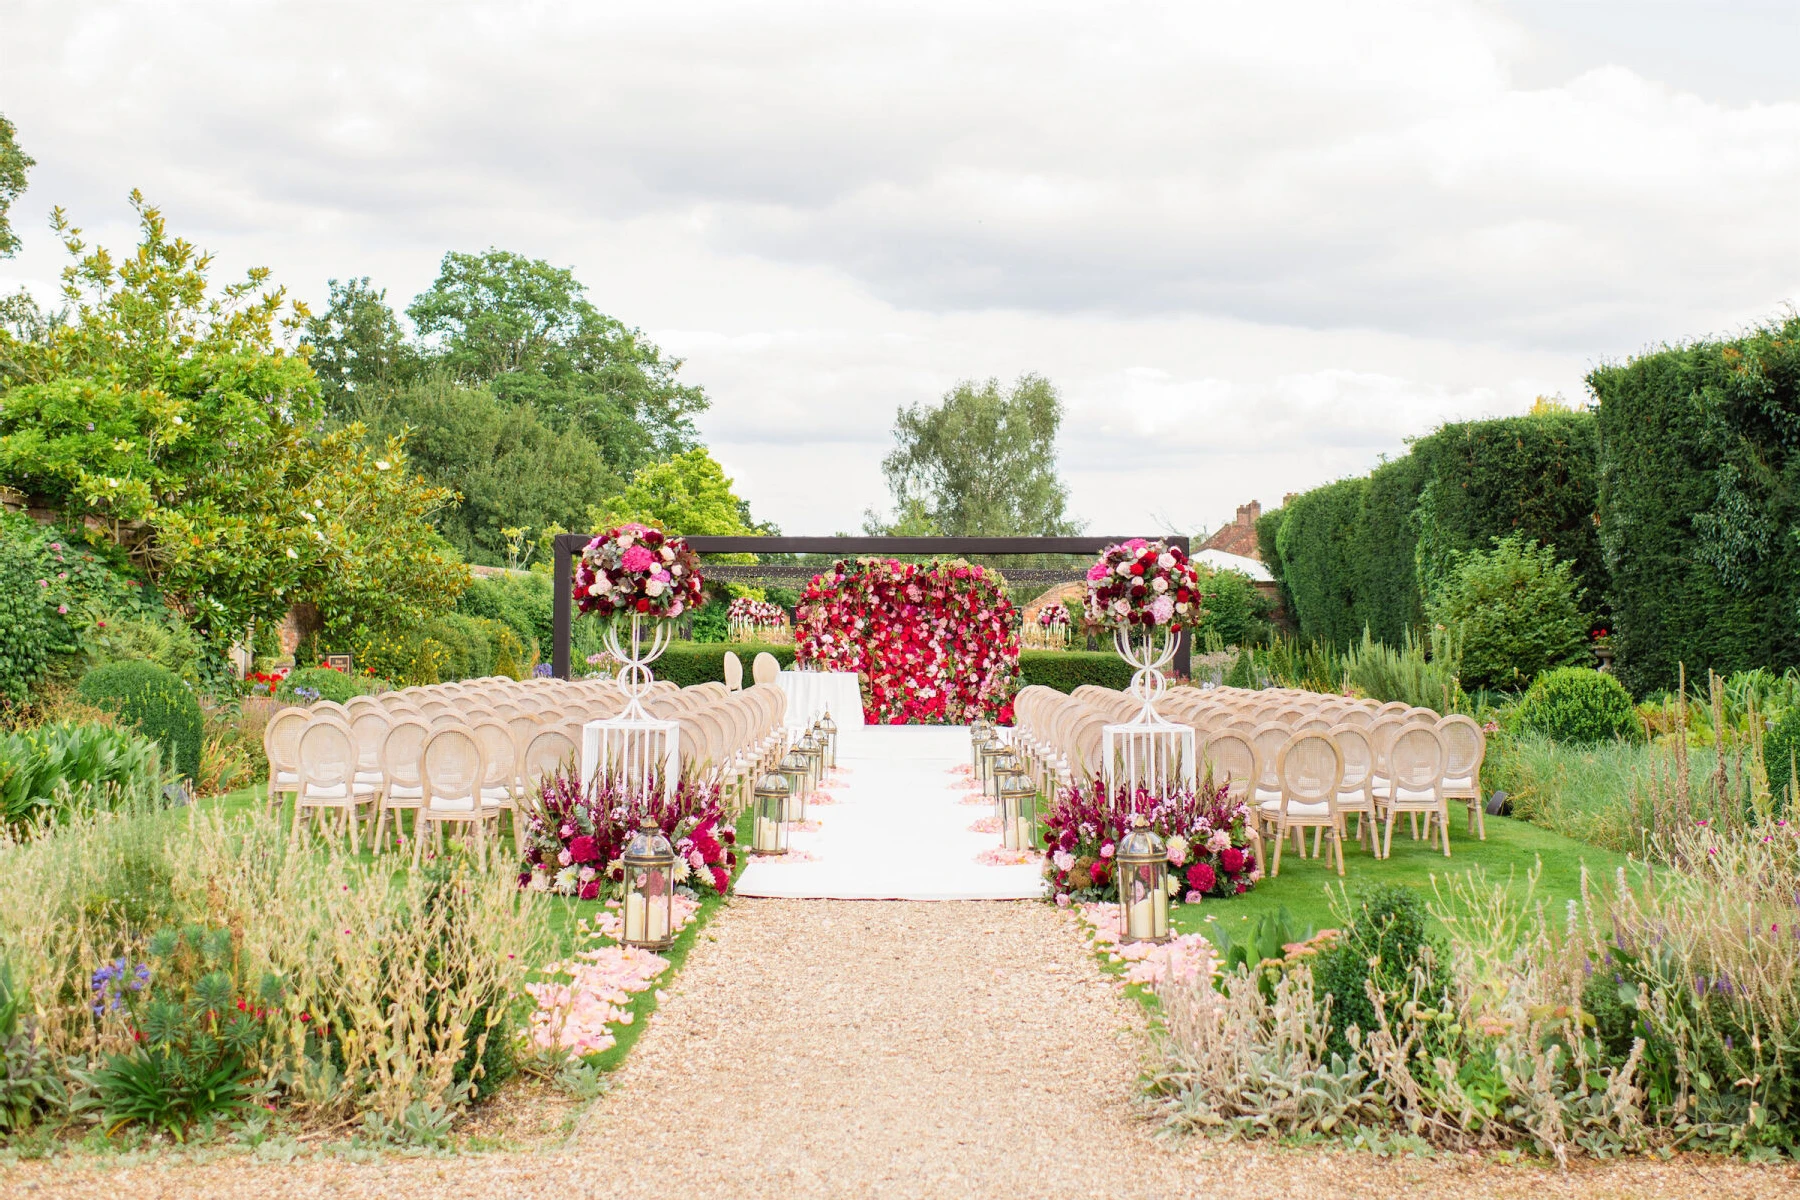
{"x": 659, "y": 921}
{"x": 1160, "y": 920}
{"x": 634, "y": 918}
{"x": 1137, "y": 916}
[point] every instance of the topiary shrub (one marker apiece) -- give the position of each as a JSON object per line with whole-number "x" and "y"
{"x": 154, "y": 699}
{"x": 1781, "y": 751}
{"x": 1243, "y": 671}
{"x": 1577, "y": 705}
{"x": 328, "y": 684}
{"x": 1385, "y": 940}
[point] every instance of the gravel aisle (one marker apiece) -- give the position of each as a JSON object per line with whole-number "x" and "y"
{"x": 885, "y": 1049}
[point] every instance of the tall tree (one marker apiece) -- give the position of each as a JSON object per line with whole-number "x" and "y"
{"x": 528, "y": 331}
{"x": 688, "y": 494}
{"x": 982, "y": 463}
{"x": 358, "y": 349}
{"x": 13, "y": 164}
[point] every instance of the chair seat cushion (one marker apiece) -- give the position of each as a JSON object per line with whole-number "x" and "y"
{"x": 285, "y": 779}
{"x": 371, "y": 778}
{"x": 1266, "y": 794}
{"x": 1356, "y": 799}
{"x": 1272, "y": 808}
{"x": 1414, "y": 796}
{"x": 406, "y": 791}
{"x": 496, "y": 795}
{"x": 1462, "y": 784}
{"x": 327, "y": 793}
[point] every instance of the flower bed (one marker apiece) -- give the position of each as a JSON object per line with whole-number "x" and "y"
{"x": 935, "y": 644}
{"x": 574, "y": 837}
{"x": 1206, "y": 832}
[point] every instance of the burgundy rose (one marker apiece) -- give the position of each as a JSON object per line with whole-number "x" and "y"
{"x": 1232, "y": 859}
{"x": 590, "y": 890}
{"x": 1200, "y": 877}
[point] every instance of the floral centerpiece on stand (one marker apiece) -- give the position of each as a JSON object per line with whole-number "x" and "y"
{"x": 935, "y": 644}
{"x": 574, "y": 837}
{"x": 750, "y": 619}
{"x": 1148, "y": 592}
{"x": 636, "y": 570}
{"x": 1207, "y": 833}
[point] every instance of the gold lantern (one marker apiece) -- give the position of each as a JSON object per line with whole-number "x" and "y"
{"x": 795, "y": 766}
{"x": 813, "y": 746}
{"x": 1016, "y": 828}
{"x": 649, "y": 889}
{"x": 1004, "y": 770}
{"x": 829, "y": 728}
{"x": 987, "y": 758}
{"x": 1143, "y": 873}
{"x": 980, "y": 734}
{"x": 769, "y": 831}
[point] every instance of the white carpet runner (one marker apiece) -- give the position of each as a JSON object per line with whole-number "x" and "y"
{"x": 898, "y": 830}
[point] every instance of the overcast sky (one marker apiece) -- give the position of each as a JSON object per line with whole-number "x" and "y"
{"x": 1255, "y": 245}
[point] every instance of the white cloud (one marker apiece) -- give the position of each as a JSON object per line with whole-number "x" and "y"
{"x": 1255, "y": 244}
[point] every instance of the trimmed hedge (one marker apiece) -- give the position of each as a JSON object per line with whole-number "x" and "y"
{"x": 154, "y": 699}
{"x": 1066, "y": 670}
{"x": 1578, "y": 705}
{"x": 689, "y": 663}
{"x": 1700, "y": 506}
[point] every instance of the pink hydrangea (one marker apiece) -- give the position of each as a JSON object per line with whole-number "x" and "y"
{"x": 637, "y": 559}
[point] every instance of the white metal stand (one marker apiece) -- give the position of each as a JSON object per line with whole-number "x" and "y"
{"x": 1147, "y": 750}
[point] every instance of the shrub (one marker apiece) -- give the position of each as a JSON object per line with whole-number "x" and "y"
{"x": 1066, "y": 670}
{"x": 50, "y": 771}
{"x": 155, "y": 700}
{"x": 407, "y": 659}
{"x": 1781, "y": 751}
{"x": 689, "y": 663}
{"x": 521, "y": 601}
{"x": 1243, "y": 671}
{"x": 471, "y": 651}
{"x": 25, "y": 621}
{"x": 1385, "y": 940}
{"x": 1515, "y": 611}
{"x": 319, "y": 683}
{"x": 157, "y": 637}
{"x": 1410, "y": 673}
{"x": 1236, "y": 612}
{"x": 1575, "y": 704}
{"x": 710, "y": 623}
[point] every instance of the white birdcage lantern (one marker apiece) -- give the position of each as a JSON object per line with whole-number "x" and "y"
{"x": 1148, "y": 751}
{"x": 633, "y": 748}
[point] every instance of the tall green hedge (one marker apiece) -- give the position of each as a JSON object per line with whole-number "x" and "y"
{"x": 1066, "y": 670}
{"x": 1700, "y": 505}
{"x": 1364, "y": 552}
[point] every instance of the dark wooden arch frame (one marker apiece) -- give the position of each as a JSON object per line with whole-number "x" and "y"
{"x": 569, "y": 545}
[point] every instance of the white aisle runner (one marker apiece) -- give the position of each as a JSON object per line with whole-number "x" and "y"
{"x": 898, "y": 831}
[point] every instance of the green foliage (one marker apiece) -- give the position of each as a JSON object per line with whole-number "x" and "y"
{"x": 1578, "y": 705}
{"x": 1066, "y": 670}
{"x": 688, "y": 494}
{"x": 689, "y": 663}
{"x": 1700, "y": 505}
{"x": 1318, "y": 566}
{"x": 710, "y": 622}
{"x": 1236, "y": 612}
{"x": 1424, "y": 676}
{"x": 1514, "y": 609}
{"x": 522, "y": 602}
{"x": 49, "y": 771}
{"x": 1287, "y": 662}
{"x": 983, "y": 462}
{"x": 357, "y": 348}
{"x": 1243, "y": 671}
{"x": 1385, "y": 938}
{"x": 29, "y": 1087}
{"x": 471, "y": 650}
{"x": 27, "y": 621}
{"x": 14, "y": 162}
{"x": 1781, "y": 752}
{"x": 153, "y": 699}
{"x": 201, "y": 1031}
{"x": 328, "y": 684}
{"x": 405, "y": 658}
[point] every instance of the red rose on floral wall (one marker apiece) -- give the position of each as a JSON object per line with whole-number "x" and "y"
{"x": 928, "y": 653}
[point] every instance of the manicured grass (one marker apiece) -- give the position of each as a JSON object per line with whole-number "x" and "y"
{"x": 1305, "y": 886}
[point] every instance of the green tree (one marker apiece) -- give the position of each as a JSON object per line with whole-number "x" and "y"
{"x": 983, "y": 462}
{"x": 689, "y": 494}
{"x": 14, "y": 163}
{"x": 357, "y": 349}
{"x": 1514, "y": 609}
{"x": 527, "y": 330}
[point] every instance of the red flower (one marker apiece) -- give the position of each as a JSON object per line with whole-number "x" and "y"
{"x": 1099, "y": 871}
{"x": 721, "y": 879}
{"x": 583, "y": 850}
{"x": 1232, "y": 859}
{"x": 1200, "y": 877}
{"x": 590, "y": 890}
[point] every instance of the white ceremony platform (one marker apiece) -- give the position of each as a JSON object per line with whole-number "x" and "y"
{"x": 898, "y": 831}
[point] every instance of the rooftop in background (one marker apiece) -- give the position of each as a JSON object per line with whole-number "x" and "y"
{"x": 1219, "y": 560}
{"x": 1239, "y": 537}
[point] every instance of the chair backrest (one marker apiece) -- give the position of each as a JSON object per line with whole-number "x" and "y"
{"x": 1313, "y": 725}
{"x": 1416, "y": 759}
{"x": 1465, "y": 745}
{"x": 1311, "y": 768}
{"x": 1232, "y": 757}
{"x": 281, "y": 740}
{"x": 734, "y": 671}
{"x": 327, "y": 754}
{"x": 400, "y": 752}
{"x": 1358, "y": 755}
{"x": 1268, "y": 740}
{"x": 498, "y": 751}
{"x": 1360, "y": 717}
{"x": 1382, "y": 732}
{"x": 548, "y": 752}
{"x": 370, "y": 727}
{"x": 765, "y": 668}
{"x": 453, "y": 769}
{"x": 524, "y": 727}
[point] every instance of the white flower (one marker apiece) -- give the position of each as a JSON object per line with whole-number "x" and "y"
{"x": 112, "y": 483}
{"x": 668, "y": 555}
{"x": 382, "y": 464}
{"x": 627, "y": 540}
{"x": 1159, "y": 584}
{"x": 308, "y": 515}
{"x": 1124, "y": 568}
{"x": 1165, "y": 560}
{"x": 594, "y": 589}
{"x": 1174, "y": 882}
{"x": 293, "y": 553}
{"x": 653, "y": 587}
{"x": 177, "y": 420}
{"x": 682, "y": 870}
{"x": 540, "y": 881}
{"x": 565, "y": 879}
{"x": 1121, "y": 606}
{"x": 1063, "y": 860}
{"x": 1178, "y": 849}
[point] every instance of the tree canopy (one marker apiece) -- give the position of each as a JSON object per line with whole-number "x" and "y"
{"x": 13, "y": 164}
{"x": 688, "y": 494}
{"x": 982, "y": 463}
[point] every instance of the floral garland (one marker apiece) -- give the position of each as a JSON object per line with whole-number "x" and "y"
{"x": 1143, "y": 583}
{"x": 574, "y": 837}
{"x": 637, "y": 569}
{"x": 935, "y": 644}
{"x": 1207, "y": 834}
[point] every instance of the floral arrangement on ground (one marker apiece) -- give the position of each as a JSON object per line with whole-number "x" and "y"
{"x": 1206, "y": 831}
{"x": 935, "y": 644}
{"x": 574, "y": 836}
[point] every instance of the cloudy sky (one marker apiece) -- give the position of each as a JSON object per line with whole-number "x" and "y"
{"x": 1256, "y": 245}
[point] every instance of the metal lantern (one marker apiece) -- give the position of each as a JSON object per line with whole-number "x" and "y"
{"x": 980, "y": 734}
{"x": 813, "y": 746}
{"x": 649, "y": 889}
{"x": 988, "y": 757}
{"x": 1143, "y": 867}
{"x": 829, "y": 728}
{"x": 1016, "y": 827}
{"x": 769, "y": 831}
{"x": 1004, "y": 771}
{"x": 796, "y": 766}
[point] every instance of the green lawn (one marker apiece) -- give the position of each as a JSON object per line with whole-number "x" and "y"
{"x": 1512, "y": 848}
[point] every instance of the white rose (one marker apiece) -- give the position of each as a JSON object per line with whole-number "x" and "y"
{"x": 1159, "y": 584}
{"x": 593, "y": 589}
{"x": 1181, "y": 606}
{"x": 653, "y": 587}
{"x": 1165, "y": 560}
{"x": 675, "y": 570}
{"x": 1124, "y": 568}
{"x": 1121, "y": 607}
{"x": 626, "y": 540}
{"x": 668, "y": 555}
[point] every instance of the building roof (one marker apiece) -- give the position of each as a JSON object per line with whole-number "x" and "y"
{"x": 1219, "y": 560}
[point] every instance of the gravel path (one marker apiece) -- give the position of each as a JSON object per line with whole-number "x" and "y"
{"x": 881, "y": 1049}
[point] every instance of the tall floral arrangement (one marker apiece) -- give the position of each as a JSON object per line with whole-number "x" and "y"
{"x": 1207, "y": 833}
{"x": 636, "y": 569}
{"x": 575, "y": 836}
{"x": 1144, "y": 584}
{"x": 936, "y": 644}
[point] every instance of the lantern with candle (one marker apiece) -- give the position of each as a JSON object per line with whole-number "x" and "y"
{"x": 649, "y": 863}
{"x": 769, "y": 833}
{"x": 813, "y": 746}
{"x": 829, "y": 728}
{"x": 1015, "y": 826}
{"x": 795, "y": 767}
{"x": 1143, "y": 873}
{"x": 980, "y": 733}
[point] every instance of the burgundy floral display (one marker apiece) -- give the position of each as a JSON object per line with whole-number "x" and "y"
{"x": 935, "y": 644}
{"x": 1205, "y": 830}
{"x": 1143, "y": 583}
{"x": 574, "y": 837}
{"x": 637, "y": 569}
